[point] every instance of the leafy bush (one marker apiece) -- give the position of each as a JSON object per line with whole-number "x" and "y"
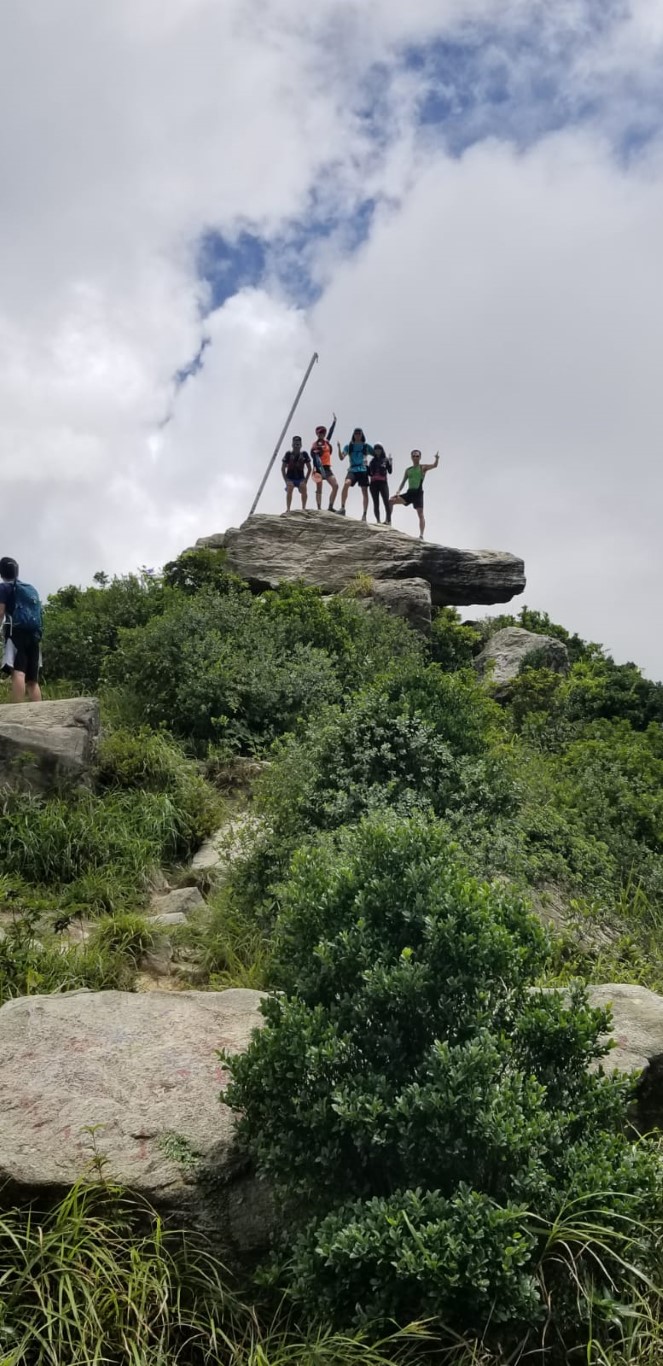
{"x": 424, "y": 1116}
{"x": 246, "y": 669}
{"x": 199, "y": 569}
{"x": 417, "y": 738}
{"x": 81, "y": 626}
{"x": 452, "y": 645}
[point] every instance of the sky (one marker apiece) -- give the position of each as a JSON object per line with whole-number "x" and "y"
{"x": 457, "y": 203}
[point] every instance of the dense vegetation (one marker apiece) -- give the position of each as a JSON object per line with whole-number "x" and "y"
{"x": 419, "y": 1100}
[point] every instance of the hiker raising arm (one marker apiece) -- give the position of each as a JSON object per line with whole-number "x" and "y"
{"x": 414, "y": 478}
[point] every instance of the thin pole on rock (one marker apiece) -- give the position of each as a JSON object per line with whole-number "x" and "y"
{"x": 286, "y": 424}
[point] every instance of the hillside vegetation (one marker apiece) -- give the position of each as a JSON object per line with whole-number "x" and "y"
{"x": 449, "y": 1175}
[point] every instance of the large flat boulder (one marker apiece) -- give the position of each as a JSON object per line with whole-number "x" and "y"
{"x": 328, "y": 551}
{"x": 508, "y": 650}
{"x": 45, "y": 743}
{"x": 143, "y": 1071}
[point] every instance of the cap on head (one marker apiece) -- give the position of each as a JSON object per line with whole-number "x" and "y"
{"x": 321, "y": 430}
{"x": 8, "y": 569}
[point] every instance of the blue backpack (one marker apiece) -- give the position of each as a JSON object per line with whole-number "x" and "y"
{"x": 26, "y": 610}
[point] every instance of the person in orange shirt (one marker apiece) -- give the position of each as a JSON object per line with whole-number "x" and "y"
{"x": 321, "y": 455}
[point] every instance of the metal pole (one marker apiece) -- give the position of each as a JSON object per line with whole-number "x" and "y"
{"x": 286, "y": 424}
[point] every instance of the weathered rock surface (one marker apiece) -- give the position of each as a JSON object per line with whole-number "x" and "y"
{"x": 329, "y": 551}
{"x": 218, "y": 852}
{"x": 144, "y": 1068}
{"x": 507, "y": 650}
{"x": 45, "y": 743}
{"x": 179, "y": 902}
{"x": 407, "y": 598}
{"x": 637, "y": 1032}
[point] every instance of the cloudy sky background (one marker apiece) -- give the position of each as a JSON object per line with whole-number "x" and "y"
{"x": 457, "y": 203}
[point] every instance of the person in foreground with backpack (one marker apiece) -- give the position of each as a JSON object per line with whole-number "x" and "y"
{"x": 21, "y": 620}
{"x": 414, "y": 478}
{"x": 357, "y": 451}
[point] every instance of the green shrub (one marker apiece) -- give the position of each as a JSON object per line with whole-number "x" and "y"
{"x": 452, "y": 645}
{"x": 81, "y": 626}
{"x": 199, "y": 569}
{"x": 242, "y": 669}
{"x": 418, "y": 738}
{"x": 424, "y": 1116}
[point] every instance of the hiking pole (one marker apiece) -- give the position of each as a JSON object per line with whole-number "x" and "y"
{"x": 286, "y": 424}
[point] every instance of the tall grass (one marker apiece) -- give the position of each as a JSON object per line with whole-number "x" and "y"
{"x": 98, "y": 1279}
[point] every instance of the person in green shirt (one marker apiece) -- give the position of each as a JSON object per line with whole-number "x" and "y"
{"x": 414, "y": 478}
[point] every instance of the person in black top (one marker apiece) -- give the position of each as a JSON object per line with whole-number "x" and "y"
{"x": 296, "y": 471}
{"x": 379, "y": 468}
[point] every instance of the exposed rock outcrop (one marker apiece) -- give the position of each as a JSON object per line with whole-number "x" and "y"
{"x": 144, "y": 1068}
{"x": 329, "y": 551}
{"x": 45, "y": 743}
{"x": 505, "y": 653}
{"x": 637, "y": 1032}
{"x": 407, "y": 598}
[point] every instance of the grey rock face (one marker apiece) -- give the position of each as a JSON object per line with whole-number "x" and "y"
{"x": 637, "y": 1032}
{"x": 507, "y": 650}
{"x": 407, "y": 598}
{"x": 329, "y": 551}
{"x": 145, "y": 1069}
{"x": 45, "y": 743}
{"x": 225, "y": 845}
{"x": 179, "y": 902}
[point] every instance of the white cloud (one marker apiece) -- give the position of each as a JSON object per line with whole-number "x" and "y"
{"x": 507, "y": 308}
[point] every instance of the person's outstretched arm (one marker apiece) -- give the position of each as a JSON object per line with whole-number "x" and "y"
{"x": 332, "y": 429}
{"x": 403, "y": 482}
{"x": 434, "y": 464}
{"x": 341, "y": 454}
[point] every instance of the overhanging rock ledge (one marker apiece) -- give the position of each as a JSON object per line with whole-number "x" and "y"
{"x": 329, "y": 552}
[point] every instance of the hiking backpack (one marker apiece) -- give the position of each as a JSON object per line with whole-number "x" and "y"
{"x": 26, "y": 611}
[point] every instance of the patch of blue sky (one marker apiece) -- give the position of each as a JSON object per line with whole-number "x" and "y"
{"x": 288, "y": 260}
{"x": 227, "y": 264}
{"x": 520, "y": 81}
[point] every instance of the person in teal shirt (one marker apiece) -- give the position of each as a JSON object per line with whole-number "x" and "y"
{"x": 357, "y": 451}
{"x": 414, "y": 478}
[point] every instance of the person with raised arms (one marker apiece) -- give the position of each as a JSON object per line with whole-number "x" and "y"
{"x": 321, "y": 456}
{"x": 414, "y": 478}
{"x": 357, "y": 451}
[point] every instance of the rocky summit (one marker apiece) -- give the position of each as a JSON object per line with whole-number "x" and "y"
{"x": 330, "y": 552}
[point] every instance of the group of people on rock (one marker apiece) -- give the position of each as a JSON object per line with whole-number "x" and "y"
{"x": 369, "y": 467}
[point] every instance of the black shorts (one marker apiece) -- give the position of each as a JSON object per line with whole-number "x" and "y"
{"x": 359, "y": 477}
{"x": 28, "y": 650}
{"x": 413, "y": 497}
{"x": 326, "y": 471}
